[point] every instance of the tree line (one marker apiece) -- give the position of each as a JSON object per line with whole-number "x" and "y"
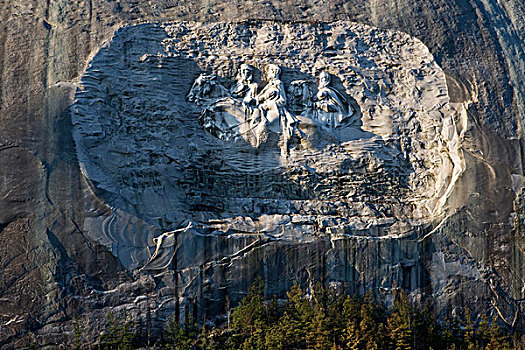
{"x": 323, "y": 319}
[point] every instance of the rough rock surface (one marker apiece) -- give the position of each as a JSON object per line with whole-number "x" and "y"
{"x": 55, "y": 268}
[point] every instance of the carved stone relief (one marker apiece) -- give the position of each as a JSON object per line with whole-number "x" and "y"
{"x": 289, "y": 130}
{"x": 248, "y": 114}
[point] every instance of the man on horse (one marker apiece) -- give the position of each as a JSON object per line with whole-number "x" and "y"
{"x": 271, "y": 113}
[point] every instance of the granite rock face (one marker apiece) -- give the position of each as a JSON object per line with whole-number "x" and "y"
{"x": 359, "y": 196}
{"x": 114, "y": 196}
{"x": 388, "y": 170}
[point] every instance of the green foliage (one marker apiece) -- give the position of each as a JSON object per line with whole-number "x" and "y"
{"x": 372, "y": 327}
{"x": 249, "y": 314}
{"x": 318, "y": 332}
{"x": 299, "y": 313}
{"x": 399, "y": 324}
{"x": 206, "y": 340}
{"x": 321, "y": 319}
{"x": 252, "y": 318}
{"x": 451, "y": 335}
{"x": 118, "y": 334}
{"x": 425, "y": 330}
{"x": 77, "y": 330}
{"x": 181, "y": 337}
{"x": 365, "y": 327}
{"x": 469, "y": 333}
{"x": 498, "y": 339}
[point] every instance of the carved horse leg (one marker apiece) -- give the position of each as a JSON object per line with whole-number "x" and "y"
{"x": 260, "y": 132}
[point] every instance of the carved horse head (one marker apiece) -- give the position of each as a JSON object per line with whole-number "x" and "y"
{"x": 206, "y": 87}
{"x": 300, "y": 95}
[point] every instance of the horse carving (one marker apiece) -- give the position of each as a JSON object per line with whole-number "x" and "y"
{"x": 243, "y": 112}
{"x": 206, "y": 88}
{"x": 300, "y": 97}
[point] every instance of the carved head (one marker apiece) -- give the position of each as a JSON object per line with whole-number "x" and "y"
{"x": 201, "y": 87}
{"x": 324, "y": 79}
{"x": 246, "y": 73}
{"x": 300, "y": 93}
{"x": 272, "y": 72}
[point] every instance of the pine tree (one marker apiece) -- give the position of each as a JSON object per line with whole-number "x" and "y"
{"x": 118, "y": 334}
{"x": 299, "y": 315}
{"x": 333, "y": 322}
{"x": 257, "y": 340}
{"x": 399, "y": 323}
{"x": 352, "y": 315}
{"x": 318, "y": 336}
{"x": 249, "y": 318}
{"x": 250, "y": 310}
{"x": 181, "y": 337}
{"x": 205, "y": 340}
{"x": 425, "y": 330}
{"x": 365, "y": 327}
{"x": 334, "y": 313}
{"x": 272, "y": 311}
{"x": 451, "y": 333}
{"x": 283, "y": 334}
{"x": 370, "y": 335}
{"x": 498, "y": 340}
{"x": 275, "y": 337}
{"x": 483, "y": 337}
{"x": 353, "y": 336}
{"x": 318, "y": 333}
{"x": 469, "y": 334}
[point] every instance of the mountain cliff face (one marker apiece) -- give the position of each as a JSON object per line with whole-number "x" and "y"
{"x": 114, "y": 195}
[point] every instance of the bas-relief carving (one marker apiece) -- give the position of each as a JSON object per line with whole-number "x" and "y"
{"x": 245, "y": 88}
{"x": 271, "y": 113}
{"x": 331, "y": 107}
{"x": 139, "y": 141}
{"x": 206, "y": 87}
{"x": 243, "y": 112}
{"x": 161, "y": 157}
